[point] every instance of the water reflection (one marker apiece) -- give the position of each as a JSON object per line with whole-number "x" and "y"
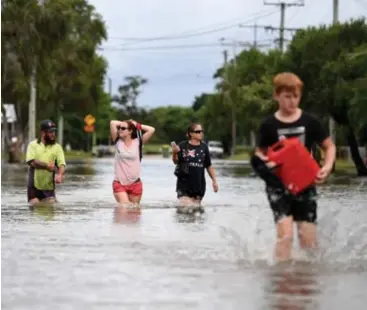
{"x": 85, "y": 169}
{"x": 44, "y": 210}
{"x": 125, "y": 215}
{"x": 238, "y": 170}
{"x": 294, "y": 287}
{"x": 189, "y": 218}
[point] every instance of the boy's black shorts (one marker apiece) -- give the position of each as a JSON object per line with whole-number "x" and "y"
{"x": 302, "y": 207}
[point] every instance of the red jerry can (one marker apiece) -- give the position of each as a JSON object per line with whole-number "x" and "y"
{"x": 295, "y": 165}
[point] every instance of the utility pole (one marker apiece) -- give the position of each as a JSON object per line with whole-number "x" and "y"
{"x": 228, "y": 94}
{"x": 32, "y": 106}
{"x": 110, "y": 93}
{"x": 60, "y": 129}
{"x": 110, "y": 87}
{"x": 255, "y": 27}
{"x": 283, "y": 5}
{"x": 32, "y": 100}
{"x": 335, "y": 21}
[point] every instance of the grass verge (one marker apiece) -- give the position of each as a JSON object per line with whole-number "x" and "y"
{"x": 77, "y": 155}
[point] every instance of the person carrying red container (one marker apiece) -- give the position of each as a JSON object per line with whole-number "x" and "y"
{"x": 290, "y": 121}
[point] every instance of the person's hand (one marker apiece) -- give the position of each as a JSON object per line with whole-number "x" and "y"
{"x": 175, "y": 149}
{"x": 134, "y": 122}
{"x": 269, "y": 164}
{"x": 215, "y": 186}
{"x": 59, "y": 178}
{"x": 323, "y": 174}
{"x": 51, "y": 166}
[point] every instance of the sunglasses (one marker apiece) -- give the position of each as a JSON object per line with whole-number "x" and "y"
{"x": 198, "y": 131}
{"x": 121, "y": 128}
{"x": 50, "y": 131}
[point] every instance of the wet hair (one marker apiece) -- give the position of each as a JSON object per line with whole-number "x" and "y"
{"x": 131, "y": 126}
{"x": 287, "y": 81}
{"x": 191, "y": 128}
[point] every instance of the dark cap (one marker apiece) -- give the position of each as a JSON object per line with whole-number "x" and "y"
{"x": 48, "y": 125}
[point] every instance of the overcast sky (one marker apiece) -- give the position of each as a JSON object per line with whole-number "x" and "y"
{"x": 177, "y": 74}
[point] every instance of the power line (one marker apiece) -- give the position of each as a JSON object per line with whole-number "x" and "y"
{"x": 190, "y": 35}
{"x": 160, "y": 47}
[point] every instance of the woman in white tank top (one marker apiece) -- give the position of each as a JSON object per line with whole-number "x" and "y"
{"x": 127, "y": 186}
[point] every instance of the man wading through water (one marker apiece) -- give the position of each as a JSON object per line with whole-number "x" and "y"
{"x": 45, "y": 157}
{"x": 290, "y": 121}
{"x": 192, "y": 157}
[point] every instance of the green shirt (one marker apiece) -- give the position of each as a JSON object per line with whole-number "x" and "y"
{"x": 42, "y": 178}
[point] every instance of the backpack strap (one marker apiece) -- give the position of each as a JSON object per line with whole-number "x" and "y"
{"x": 140, "y": 138}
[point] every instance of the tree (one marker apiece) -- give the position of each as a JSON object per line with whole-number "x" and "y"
{"x": 199, "y": 101}
{"x": 59, "y": 39}
{"x": 171, "y": 122}
{"x": 128, "y": 95}
{"x": 320, "y": 56}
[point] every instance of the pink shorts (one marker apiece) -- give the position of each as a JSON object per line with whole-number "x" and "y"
{"x": 134, "y": 189}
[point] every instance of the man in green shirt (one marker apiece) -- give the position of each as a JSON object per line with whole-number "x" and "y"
{"x": 45, "y": 157}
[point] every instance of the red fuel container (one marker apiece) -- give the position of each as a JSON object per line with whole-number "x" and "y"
{"x": 295, "y": 165}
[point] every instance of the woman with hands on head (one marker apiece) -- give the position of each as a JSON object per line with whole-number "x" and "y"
{"x": 127, "y": 185}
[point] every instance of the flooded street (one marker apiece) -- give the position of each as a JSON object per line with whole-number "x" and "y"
{"x": 85, "y": 254}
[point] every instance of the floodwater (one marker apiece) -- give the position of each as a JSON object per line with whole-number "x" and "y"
{"x": 83, "y": 254}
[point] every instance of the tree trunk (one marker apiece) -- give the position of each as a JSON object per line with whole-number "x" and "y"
{"x": 356, "y": 156}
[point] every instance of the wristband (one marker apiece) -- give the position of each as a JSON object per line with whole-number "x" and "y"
{"x": 138, "y": 126}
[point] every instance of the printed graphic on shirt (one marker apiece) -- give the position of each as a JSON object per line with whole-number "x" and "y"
{"x": 299, "y": 132}
{"x": 196, "y": 157}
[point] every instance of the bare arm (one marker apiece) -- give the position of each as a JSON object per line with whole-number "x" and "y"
{"x": 113, "y": 129}
{"x": 212, "y": 173}
{"x": 330, "y": 152}
{"x": 38, "y": 164}
{"x": 61, "y": 170}
{"x": 261, "y": 153}
{"x": 175, "y": 158}
{"x": 148, "y": 132}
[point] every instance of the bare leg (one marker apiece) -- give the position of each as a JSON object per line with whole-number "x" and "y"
{"x": 185, "y": 204}
{"x": 34, "y": 201}
{"x": 284, "y": 242}
{"x": 307, "y": 235}
{"x": 122, "y": 198}
{"x": 135, "y": 200}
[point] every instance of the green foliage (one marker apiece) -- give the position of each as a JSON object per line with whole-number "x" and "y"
{"x": 59, "y": 39}
{"x": 171, "y": 122}
{"x": 128, "y": 94}
{"x": 331, "y": 61}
